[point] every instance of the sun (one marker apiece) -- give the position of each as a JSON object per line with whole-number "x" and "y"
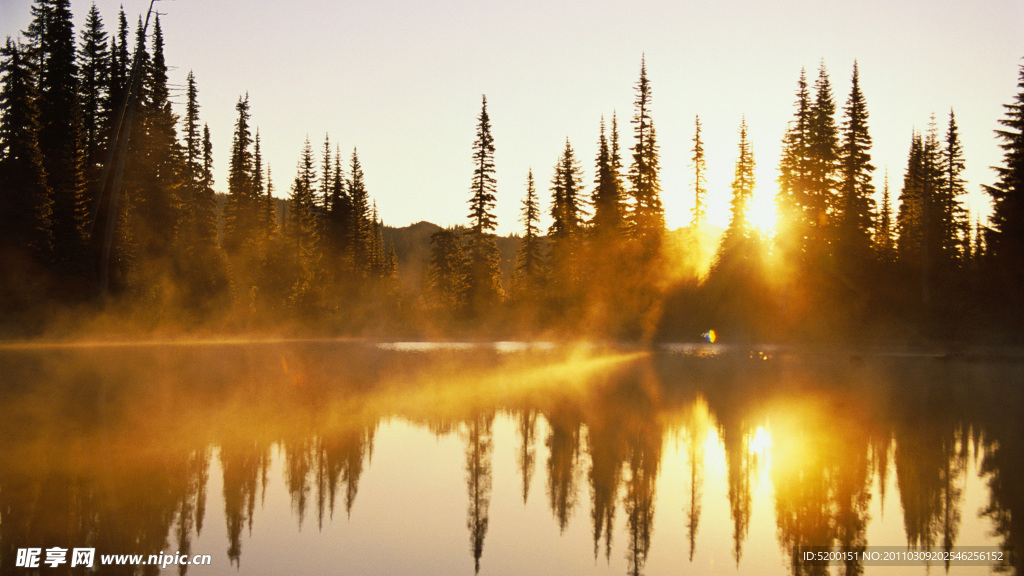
{"x": 762, "y": 213}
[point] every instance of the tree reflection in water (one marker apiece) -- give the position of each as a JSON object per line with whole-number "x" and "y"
{"x": 102, "y": 448}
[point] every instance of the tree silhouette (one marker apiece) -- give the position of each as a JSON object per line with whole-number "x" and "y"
{"x": 530, "y": 257}
{"x": 645, "y": 214}
{"x": 856, "y": 192}
{"x": 240, "y": 206}
{"x": 566, "y": 233}
{"x": 483, "y": 280}
{"x": 700, "y": 179}
{"x": 479, "y": 448}
{"x": 25, "y": 204}
{"x": 52, "y": 50}
{"x": 93, "y": 95}
{"x": 607, "y": 198}
{"x": 1006, "y": 241}
{"x": 446, "y": 278}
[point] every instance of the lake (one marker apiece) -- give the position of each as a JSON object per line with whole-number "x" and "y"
{"x": 338, "y": 457}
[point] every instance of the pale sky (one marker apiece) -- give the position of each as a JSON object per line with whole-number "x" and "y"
{"x": 402, "y": 80}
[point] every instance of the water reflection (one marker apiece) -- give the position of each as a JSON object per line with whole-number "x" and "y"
{"x": 664, "y": 458}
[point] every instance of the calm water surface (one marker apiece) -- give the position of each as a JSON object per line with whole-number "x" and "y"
{"x": 332, "y": 458}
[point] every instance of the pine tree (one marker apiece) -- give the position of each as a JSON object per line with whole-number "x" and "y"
{"x": 339, "y": 214}
{"x": 53, "y": 48}
{"x": 446, "y": 273}
{"x": 192, "y": 165}
{"x": 360, "y": 227}
{"x": 617, "y": 169}
{"x": 645, "y": 216}
{"x": 376, "y": 244}
{"x": 1005, "y": 241}
{"x": 932, "y": 208}
{"x": 823, "y": 165}
{"x": 484, "y": 187}
{"x": 25, "y": 204}
{"x": 240, "y": 206}
{"x": 258, "y": 186}
{"x": 856, "y": 204}
{"x": 302, "y": 206}
{"x": 93, "y": 94}
{"x": 302, "y": 234}
{"x": 268, "y": 208}
{"x": 567, "y": 226}
{"x": 736, "y": 281}
{"x": 158, "y": 167}
{"x": 884, "y": 246}
{"x": 700, "y": 180}
{"x": 742, "y": 188}
{"x": 483, "y": 287}
{"x": 910, "y": 217}
{"x": 206, "y": 199}
{"x": 326, "y": 178}
{"x": 795, "y": 210}
{"x": 919, "y": 220}
{"x": 955, "y": 240}
{"x": 530, "y": 258}
{"x": 118, "y": 70}
{"x": 607, "y": 197}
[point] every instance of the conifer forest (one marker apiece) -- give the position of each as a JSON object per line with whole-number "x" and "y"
{"x": 111, "y": 220}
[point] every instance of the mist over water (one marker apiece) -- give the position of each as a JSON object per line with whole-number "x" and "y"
{"x": 505, "y": 458}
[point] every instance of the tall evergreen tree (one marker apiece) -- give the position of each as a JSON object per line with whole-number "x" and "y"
{"x": 192, "y": 165}
{"x": 259, "y": 188}
{"x": 326, "y": 176}
{"x": 484, "y": 187}
{"x": 360, "y": 226}
{"x": 607, "y": 198}
{"x": 568, "y": 211}
{"x": 268, "y": 207}
{"x": 956, "y": 238}
{"x": 240, "y": 206}
{"x": 25, "y": 204}
{"x": 53, "y": 46}
{"x": 824, "y": 163}
{"x": 93, "y": 94}
{"x": 157, "y": 165}
{"x": 856, "y": 191}
{"x": 530, "y": 258}
{"x": 1005, "y": 242}
{"x": 302, "y": 231}
{"x": 567, "y": 222}
{"x": 483, "y": 287}
{"x": 883, "y": 241}
{"x": 736, "y": 281}
{"x": 118, "y": 70}
{"x": 302, "y": 205}
{"x": 339, "y": 214}
{"x": 700, "y": 179}
{"x": 646, "y": 215}
{"x": 918, "y": 222}
{"x": 617, "y": 168}
{"x": 206, "y": 199}
{"x": 446, "y": 272}
{"x": 910, "y": 216}
{"x": 796, "y": 212}
{"x": 739, "y": 229}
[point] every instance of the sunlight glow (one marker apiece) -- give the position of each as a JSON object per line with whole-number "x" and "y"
{"x": 760, "y": 442}
{"x": 762, "y": 213}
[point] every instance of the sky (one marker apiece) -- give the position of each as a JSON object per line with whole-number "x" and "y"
{"x": 402, "y": 81}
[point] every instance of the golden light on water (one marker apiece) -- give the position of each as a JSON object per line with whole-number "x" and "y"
{"x": 760, "y": 442}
